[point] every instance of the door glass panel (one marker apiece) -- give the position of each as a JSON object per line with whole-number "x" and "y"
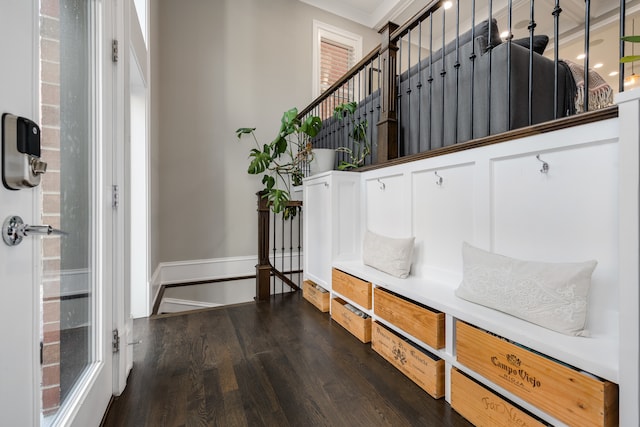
{"x": 67, "y": 268}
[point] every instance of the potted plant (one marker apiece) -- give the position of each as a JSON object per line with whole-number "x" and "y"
{"x": 358, "y": 134}
{"x": 281, "y": 161}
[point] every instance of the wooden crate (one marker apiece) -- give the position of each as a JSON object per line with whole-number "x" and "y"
{"x": 425, "y": 370}
{"x": 568, "y": 395}
{"x": 352, "y": 288}
{"x": 424, "y": 324}
{"x": 316, "y": 297}
{"x": 483, "y": 408}
{"x": 358, "y": 326}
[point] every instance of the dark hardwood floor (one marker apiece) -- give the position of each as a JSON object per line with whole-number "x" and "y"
{"x": 281, "y": 363}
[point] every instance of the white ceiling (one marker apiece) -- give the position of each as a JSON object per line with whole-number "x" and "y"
{"x": 371, "y": 13}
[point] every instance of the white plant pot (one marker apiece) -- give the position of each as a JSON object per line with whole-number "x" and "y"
{"x": 323, "y": 160}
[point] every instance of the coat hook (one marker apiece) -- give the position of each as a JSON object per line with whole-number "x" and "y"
{"x": 439, "y": 180}
{"x": 382, "y": 186}
{"x": 545, "y": 165}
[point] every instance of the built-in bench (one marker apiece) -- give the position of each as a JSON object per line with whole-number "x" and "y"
{"x": 596, "y": 354}
{"x": 501, "y": 198}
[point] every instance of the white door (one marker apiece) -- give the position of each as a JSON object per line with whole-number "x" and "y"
{"x": 56, "y": 291}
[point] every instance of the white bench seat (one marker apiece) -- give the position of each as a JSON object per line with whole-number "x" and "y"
{"x": 597, "y": 354}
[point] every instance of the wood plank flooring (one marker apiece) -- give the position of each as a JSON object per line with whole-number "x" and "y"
{"x": 280, "y": 363}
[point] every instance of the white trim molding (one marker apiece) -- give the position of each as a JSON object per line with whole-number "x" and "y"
{"x": 168, "y": 273}
{"x": 322, "y": 30}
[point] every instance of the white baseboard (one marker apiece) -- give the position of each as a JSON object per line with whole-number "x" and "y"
{"x": 168, "y": 273}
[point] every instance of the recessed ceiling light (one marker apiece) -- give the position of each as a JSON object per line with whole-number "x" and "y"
{"x": 613, "y": 73}
{"x": 581, "y": 56}
{"x": 598, "y": 65}
{"x": 447, "y": 5}
{"x": 504, "y": 35}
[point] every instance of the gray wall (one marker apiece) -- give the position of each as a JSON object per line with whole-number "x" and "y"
{"x": 219, "y": 65}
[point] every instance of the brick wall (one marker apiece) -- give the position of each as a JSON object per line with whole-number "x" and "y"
{"x": 50, "y": 191}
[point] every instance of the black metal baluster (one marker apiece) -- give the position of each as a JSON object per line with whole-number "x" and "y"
{"x": 359, "y": 107}
{"x": 531, "y": 27}
{"x": 587, "y": 24}
{"x": 623, "y": 12}
{"x": 291, "y": 248}
{"x": 443, "y": 73}
{"x": 490, "y": 53}
{"x": 457, "y": 68}
{"x": 556, "y": 45}
{"x": 509, "y": 38}
{"x": 300, "y": 245}
{"x": 401, "y": 142}
{"x": 282, "y": 253}
{"x": 430, "y": 80}
{"x": 472, "y": 57}
{"x": 419, "y": 86}
{"x": 379, "y": 95}
{"x": 409, "y": 142}
{"x": 274, "y": 252}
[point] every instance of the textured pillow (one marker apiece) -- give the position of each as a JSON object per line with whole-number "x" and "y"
{"x": 552, "y": 295}
{"x": 393, "y": 256}
{"x": 539, "y": 43}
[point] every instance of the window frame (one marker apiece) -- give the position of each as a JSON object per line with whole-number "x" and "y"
{"x": 341, "y": 36}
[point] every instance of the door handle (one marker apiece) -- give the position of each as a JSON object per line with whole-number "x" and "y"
{"x": 14, "y": 230}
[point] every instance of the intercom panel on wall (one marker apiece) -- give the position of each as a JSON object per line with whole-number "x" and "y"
{"x": 21, "y": 164}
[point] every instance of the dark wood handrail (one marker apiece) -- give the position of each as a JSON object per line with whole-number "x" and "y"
{"x": 416, "y": 19}
{"x": 341, "y": 81}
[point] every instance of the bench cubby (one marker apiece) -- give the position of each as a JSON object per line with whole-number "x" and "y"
{"x": 423, "y": 368}
{"x": 358, "y": 326}
{"x": 315, "y": 296}
{"x": 566, "y": 393}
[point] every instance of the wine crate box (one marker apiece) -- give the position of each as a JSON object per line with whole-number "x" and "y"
{"x": 423, "y": 323}
{"x": 426, "y": 370}
{"x": 315, "y": 296}
{"x": 352, "y": 288}
{"x": 358, "y": 326}
{"x": 483, "y": 408}
{"x": 565, "y": 393}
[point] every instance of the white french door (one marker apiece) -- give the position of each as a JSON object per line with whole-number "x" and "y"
{"x": 56, "y": 291}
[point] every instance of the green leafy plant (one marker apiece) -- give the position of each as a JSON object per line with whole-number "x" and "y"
{"x": 358, "y": 134}
{"x": 281, "y": 160}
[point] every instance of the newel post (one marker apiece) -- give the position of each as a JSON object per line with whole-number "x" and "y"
{"x": 388, "y": 124}
{"x": 263, "y": 268}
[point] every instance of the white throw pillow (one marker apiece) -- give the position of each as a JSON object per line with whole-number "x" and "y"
{"x": 391, "y": 255}
{"x": 552, "y": 295}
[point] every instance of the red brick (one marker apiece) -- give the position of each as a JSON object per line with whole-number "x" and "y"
{"x": 50, "y": 288}
{"x": 51, "y": 266}
{"x": 51, "y": 311}
{"x": 51, "y": 203}
{"x": 50, "y": 115}
{"x": 52, "y": 220}
{"x": 51, "y": 354}
{"x": 50, "y": 399}
{"x": 51, "y": 333}
{"x": 50, "y": 137}
{"x": 51, "y": 181}
{"x": 49, "y": 27}
{"x": 51, "y": 375}
{"x": 51, "y": 247}
{"x": 50, "y": 94}
{"x": 50, "y": 72}
{"x": 50, "y": 8}
{"x": 50, "y": 50}
{"x": 52, "y": 157}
